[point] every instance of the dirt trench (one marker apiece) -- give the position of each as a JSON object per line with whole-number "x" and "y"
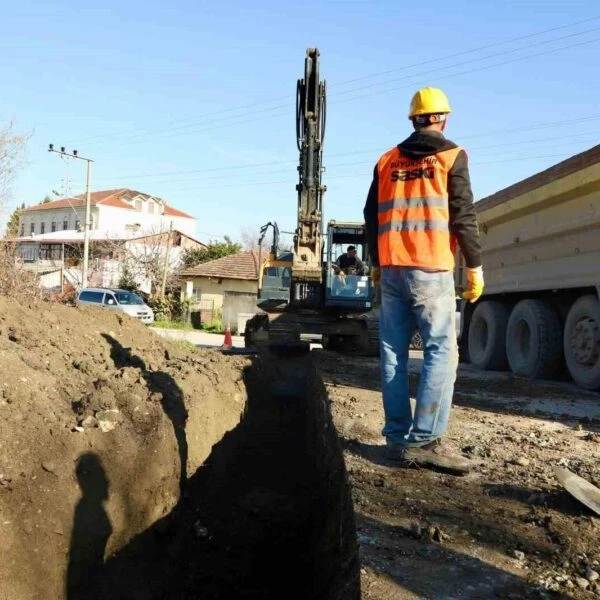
{"x": 267, "y": 516}
{"x": 134, "y": 468}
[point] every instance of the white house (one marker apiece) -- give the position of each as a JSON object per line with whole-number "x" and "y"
{"x": 51, "y": 237}
{"x": 116, "y": 213}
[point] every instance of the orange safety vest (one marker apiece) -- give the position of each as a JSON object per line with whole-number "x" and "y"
{"x": 413, "y": 214}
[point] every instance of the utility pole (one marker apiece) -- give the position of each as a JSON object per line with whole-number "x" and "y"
{"x": 166, "y": 264}
{"x": 88, "y": 208}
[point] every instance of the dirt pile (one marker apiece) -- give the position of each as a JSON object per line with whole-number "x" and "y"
{"x": 100, "y": 422}
{"x": 134, "y": 468}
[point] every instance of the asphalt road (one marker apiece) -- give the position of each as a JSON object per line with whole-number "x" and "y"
{"x": 199, "y": 338}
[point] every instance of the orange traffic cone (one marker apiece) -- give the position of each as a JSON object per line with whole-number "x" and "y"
{"x": 228, "y": 343}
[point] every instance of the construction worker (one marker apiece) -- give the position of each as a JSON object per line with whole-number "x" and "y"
{"x": 419, "y": 205}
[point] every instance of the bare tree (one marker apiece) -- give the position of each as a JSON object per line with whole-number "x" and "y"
{"x": 249, "y": 238}
{"x": 14, "y": 280}
{"x": 12, "y": 151}
{"x": 140, "y": 260}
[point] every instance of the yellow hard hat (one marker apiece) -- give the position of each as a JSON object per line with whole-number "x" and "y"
{"x": 429, "y": 101}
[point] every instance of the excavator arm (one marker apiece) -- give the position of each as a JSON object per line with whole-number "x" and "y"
{"x": 307, "y": 272}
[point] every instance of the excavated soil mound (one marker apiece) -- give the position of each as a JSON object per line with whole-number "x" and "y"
{"x": 132, "y": 468}
{"x": 100, "y": 420}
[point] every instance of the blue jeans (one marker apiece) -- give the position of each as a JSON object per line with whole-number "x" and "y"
{"x": 412, "y": 297}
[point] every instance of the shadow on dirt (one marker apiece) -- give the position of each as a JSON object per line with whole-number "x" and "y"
{"x": 415, "y": 564}
{"x": 91, "y": 529}
{"x": 267, "y": 516}
{"x": 492, "y": 521}
{"x": 171, "y": 398}
{"x": 558, "y": 500}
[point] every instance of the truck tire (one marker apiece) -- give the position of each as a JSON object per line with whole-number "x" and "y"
{"x": 582, "y": 342}
{"x": 487, "y": 350}
{"x": 534, "y": 340}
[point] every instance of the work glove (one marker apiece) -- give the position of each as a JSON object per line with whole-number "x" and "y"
{"x": 474, "y": 284}
{"x": 375, "y": 275}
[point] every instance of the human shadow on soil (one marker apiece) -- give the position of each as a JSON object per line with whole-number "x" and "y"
{"x": 171, "y": 398}
{"x": 91, "y": 529}
{"x": 268, "y": 515}
{"x": 408, "y": 558}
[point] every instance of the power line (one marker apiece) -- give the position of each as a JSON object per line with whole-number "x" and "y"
{"x": 490, "y": 133}
{"x": 188, "y": 119}
{"x": 466, "y": 52}
{"x": 279, "y": 113}
{"x": 366, "y": 175}
{"x": 474, "y": 60}
{"x": 145, "y": 131}
{"x": 470, "y": 71}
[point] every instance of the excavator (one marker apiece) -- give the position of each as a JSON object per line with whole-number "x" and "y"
{"x": 302, "y": 292}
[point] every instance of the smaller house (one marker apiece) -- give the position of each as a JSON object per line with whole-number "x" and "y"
{"x": 226, "y": 286}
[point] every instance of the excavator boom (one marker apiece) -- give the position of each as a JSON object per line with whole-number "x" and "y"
{"x": 307, "y": 269}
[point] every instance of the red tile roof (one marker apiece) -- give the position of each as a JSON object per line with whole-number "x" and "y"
{"x": 174, "y": 212}
{"x": 235, "y": 266}
{"x": 114, "y": 198}
{"x": 96, "y": 198}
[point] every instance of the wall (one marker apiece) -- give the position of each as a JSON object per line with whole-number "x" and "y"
{"x": 236, "y": 303}
{"x": 105, "y": 218}
{"x": 114, "y": 219}
{"x": 211, "y": 289}
{"x": 59, "y": 215}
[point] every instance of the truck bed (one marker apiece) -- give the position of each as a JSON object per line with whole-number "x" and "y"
{"x": 543, "y": 233}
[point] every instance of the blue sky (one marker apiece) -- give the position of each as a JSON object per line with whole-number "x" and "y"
{"x": 194, "y": 101}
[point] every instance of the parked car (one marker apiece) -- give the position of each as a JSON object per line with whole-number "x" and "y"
{"x": 416, "y": 342}
{"x": 115, "y": 299}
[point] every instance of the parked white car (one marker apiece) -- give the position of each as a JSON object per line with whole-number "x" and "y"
{"x": 120, "y": 300}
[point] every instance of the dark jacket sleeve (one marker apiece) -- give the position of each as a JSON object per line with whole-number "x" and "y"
{"x": 371, "y": 221}
{"x": 463, "y": 220}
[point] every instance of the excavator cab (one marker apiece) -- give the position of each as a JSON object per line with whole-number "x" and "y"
{"x": 348, "y": 289}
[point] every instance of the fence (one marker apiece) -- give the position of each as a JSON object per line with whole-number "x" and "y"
{"x": 202, "y": 312}
{"x": 236, "y": 303}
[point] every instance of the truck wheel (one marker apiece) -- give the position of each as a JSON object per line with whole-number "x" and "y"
{"x": 582, "y": 342}
{"x": 534, "y": 340}
{"x": 487, "y": 350}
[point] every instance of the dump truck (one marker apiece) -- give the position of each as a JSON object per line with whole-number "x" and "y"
{"x": 540, "y": 312}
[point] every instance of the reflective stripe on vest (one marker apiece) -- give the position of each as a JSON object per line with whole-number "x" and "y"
{"x": 413, "y": 212}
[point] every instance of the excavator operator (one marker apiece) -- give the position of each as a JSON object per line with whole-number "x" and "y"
{"x": 419, "y": 205}
{"x": 349, "y": 263}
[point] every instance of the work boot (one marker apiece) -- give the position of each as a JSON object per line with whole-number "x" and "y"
{"x": 432, "y": 455}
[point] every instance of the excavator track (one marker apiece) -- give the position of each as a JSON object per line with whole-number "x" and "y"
{"x": 373, "y": 339}
{"x": 358, "y": 336}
